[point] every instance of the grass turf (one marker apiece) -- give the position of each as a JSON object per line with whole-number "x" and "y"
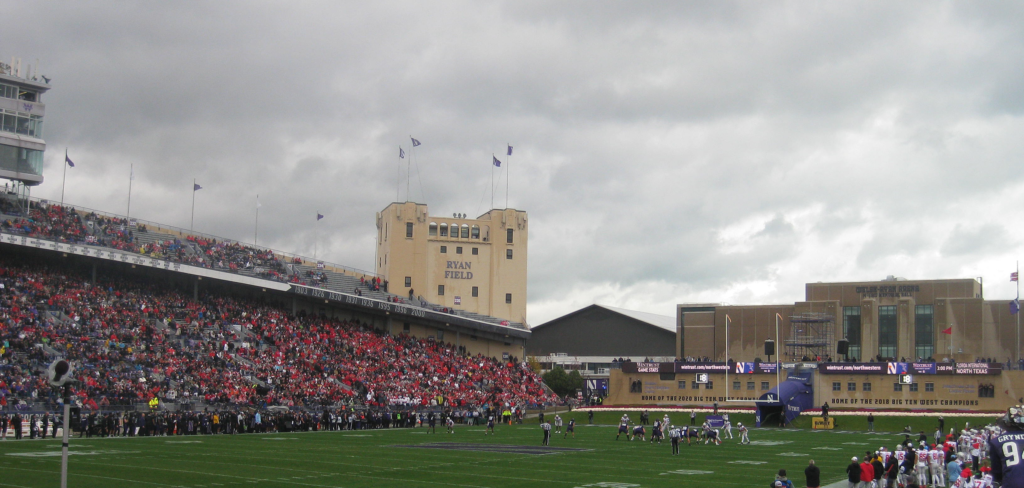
{"x": 373, "y": 458}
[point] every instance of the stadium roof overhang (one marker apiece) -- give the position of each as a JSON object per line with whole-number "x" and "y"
{"x": 407, "y": 311}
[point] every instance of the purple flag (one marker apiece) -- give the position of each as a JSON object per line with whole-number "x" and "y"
{"x": 414, "y": 142}
{"x": 1014, "y": 306}
{"x": 401, "y": 153}
{"x": 319, "y": 215}
{"x": 196, "y": 187}
{"x": 69, "y": 161}
{"x": 509, "y": 150}
{"x": 496, "y": 162}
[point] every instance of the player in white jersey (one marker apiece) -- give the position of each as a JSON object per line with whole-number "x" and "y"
{"x": 623, "y": 427}
{"x": 937, "y": 466}
{"x": 985, "y": 481}
{"x": 558, "y": 424}
{"x": 665, "y": 422}
{"x": 901, "y": 467}
{"x": 884, "y": 454}
{"x": 727, "y": 428}
{"x": 743, "y": 434}
{"x": 921, "y": 468}
{"x": 451, "y": 424}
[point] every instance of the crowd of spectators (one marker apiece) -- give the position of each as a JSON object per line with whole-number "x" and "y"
{"x": 134, "y": 340}
{"x": 52, "y": 222}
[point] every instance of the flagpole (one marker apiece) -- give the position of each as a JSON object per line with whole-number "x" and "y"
{"x": 131, "y": 176}
{"x": 192, "y": 225}
{"x": 1018, "y": 314}
{"x": 256, "y": 233}
{"x": 508, "y": 162}
{"x": 408, "y": 166}
{"x": 492, "y": 180}
{"x": 316, "y": 235}
{"x": 65, "y": 179}
{"x": 398, "y": 178}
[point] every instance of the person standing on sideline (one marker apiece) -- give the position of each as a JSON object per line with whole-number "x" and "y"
{"x": 547, "y": 433}
{"x": 693, "y": 417}
{"x": 590, "y": 417}
{"x": 16, "y": 424}
{"x": 867, "y": 473}
{"x": 853, "y": 473}
{"x": 813, "y": 475}
{"x": 824, "y": 411}
{"x": 781, "y": 478}
{"x": 871, "y": 422}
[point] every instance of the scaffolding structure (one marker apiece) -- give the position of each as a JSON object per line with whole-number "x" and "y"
{"x": 810, "y": 335}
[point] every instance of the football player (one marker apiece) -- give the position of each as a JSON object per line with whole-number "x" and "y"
{"x": 656, "y": 432}
{"x": 1005, "y": 450}
{"x": 712, "y": 435}
{"x": 623, "y": 427}
{"x": 743, "y": 434}
{"x": 638, "y": 431}
{"x": 937, "y": 466}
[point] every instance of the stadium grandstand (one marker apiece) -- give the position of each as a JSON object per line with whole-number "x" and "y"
{"x": 122, "y": 300}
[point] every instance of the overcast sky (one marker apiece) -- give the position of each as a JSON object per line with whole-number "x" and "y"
{"x": 666, "y": 152}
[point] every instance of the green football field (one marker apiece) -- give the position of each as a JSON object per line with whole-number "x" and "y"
{"x": 413, "y": 457}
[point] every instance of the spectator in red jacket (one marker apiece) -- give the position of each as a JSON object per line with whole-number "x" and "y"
{"x": 867, "y": 474}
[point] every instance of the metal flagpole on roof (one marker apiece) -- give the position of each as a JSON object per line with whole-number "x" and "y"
{"x": 192, "y": 225}
{"x": 508, "y": 162}
{"x": 256, "y": 234}
{"x": 1018, "y": 314}
{"x": 65, "y": 179}
{"x": 131, "y": 177}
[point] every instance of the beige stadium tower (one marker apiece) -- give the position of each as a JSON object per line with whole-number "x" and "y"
{"x": 475, "y": 265}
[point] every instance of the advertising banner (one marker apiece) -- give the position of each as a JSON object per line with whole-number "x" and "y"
{"x": 852, "y": 368}
{"x": 821, "y": 423}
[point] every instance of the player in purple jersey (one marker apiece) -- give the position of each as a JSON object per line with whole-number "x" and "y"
{"x": 1005, "y": 450}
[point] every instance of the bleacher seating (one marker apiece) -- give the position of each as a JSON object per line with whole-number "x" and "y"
{"x": 65, "y": 224}
{"x": 134, "y": 340}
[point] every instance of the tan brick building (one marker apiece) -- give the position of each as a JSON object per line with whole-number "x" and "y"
{"x": 893, "y": 318}
{"x": 476, "y": 265}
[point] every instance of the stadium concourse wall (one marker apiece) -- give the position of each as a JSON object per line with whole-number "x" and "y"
{"x": 476, "y": 336}
{"x": 977, "y": 389}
